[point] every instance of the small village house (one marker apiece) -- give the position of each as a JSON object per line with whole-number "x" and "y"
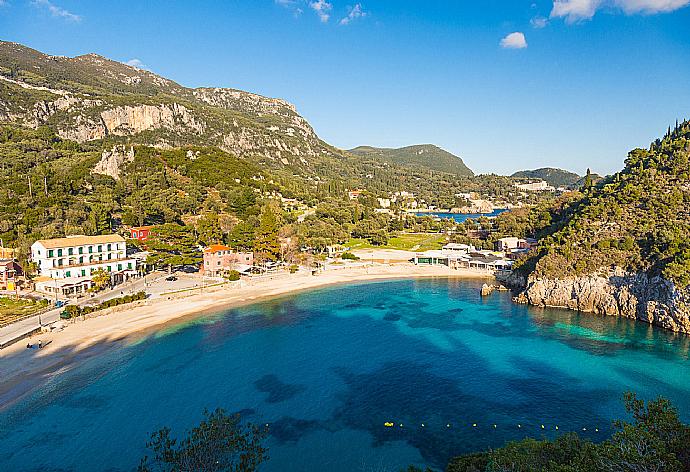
{"x": 219, "y": 259}
{"x": 140, "y": 233}
{"x": 66, "y": 265}
{"x": 10, "y": 271}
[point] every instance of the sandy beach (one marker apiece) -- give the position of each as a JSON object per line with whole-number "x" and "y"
{"x": 21, "y": 369}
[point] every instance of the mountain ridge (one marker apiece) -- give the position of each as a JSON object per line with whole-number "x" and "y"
{"x": 427, "y": 156}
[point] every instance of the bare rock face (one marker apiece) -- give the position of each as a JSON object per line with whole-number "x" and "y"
{"x": 111, "y": 161}
{"x": 653, "y": 300}
{"x": 128, "y": 120}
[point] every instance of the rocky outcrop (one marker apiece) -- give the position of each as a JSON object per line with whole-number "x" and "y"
{"x": 128, "y": 120}
{"x": 112, "y": 161}
{"x": 653, "y": 300}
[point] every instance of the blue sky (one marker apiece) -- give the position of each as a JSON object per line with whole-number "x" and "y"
{"x": 580, "y": 84}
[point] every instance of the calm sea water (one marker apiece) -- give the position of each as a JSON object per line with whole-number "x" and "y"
{"x": 327, "y": 368}
{"x": 461, "y": 217}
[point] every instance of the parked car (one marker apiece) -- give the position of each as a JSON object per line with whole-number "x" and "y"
{"x": 189, "y": 269}
{"x": 171, "y": 278}
{"x": 59, "y": 304}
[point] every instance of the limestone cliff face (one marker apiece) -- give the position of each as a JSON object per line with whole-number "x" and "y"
{"x": 653, "y": 300}
{"x": 112, "y": 161}
{"x": 89, "y": 97}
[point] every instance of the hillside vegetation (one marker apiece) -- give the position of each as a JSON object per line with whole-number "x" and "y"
{"x": 638, "y": 219}
{"x": 554, "y": 177}
{"x": 425, "y": 156}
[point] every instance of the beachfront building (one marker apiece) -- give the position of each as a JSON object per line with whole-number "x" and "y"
{"x": 459, "y": 256}
{"x": 10, "y": 271}
{"x": 219, "y": 259}
{"x": 66, "y": 265}
{"x": 515, "y": 245}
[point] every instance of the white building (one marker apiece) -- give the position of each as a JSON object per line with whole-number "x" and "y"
{"x": 535, "y": 186}
{"x": 66, "y": 265}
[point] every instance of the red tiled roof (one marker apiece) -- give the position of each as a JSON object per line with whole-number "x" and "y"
{"x": 217, "y": 247}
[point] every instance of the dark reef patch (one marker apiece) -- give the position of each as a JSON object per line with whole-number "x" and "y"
{"x": 277, "y": 390}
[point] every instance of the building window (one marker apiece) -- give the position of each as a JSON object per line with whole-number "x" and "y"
{"x": 81, "y": 250}
{"x": 68, "y": 274}
{"x": 50, "y": 253}
{"x": 100, "y": 248}
{"x": 83, "y": 272}
{"x": 108, "y": 247}
{"x": 81, "y": 259}
{"x": 70, "y": 251}
{"x": 129, "y": 265}
{"x": 59, "y": 252}
{"x": 109, "y": 269}
{"x": 90, "y": 249}
{"x": 119, "y": 267}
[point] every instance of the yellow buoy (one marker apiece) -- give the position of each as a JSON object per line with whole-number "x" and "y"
{"x": 519, "y": 426}
{"x": 448, "y": 426}
{"x": 422, "y": 425}
{"x": 596, "y": 429}
{"x": 542, "y": 426}
{"x": 494, "y": 426}
{"x": 474, "y": 425}
{"x": 556, "y": 426}
{"x": 388, "y": 424}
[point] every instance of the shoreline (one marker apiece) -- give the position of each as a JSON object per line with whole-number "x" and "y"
{"x": 26, "y": 369}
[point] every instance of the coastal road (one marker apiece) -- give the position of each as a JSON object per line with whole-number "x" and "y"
{"x": 153, "y": 284}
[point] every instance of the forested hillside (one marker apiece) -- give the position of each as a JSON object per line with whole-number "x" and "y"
{"x": 622, "y": 249}
{"x": 426, "y": 156}
{"x": 638, "y": 219}
{"x": 554, "y": 177}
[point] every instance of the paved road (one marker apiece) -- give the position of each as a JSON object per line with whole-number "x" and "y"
{"x": 153, "y": 284}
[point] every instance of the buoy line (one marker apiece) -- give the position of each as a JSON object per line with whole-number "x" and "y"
{"x": 392, "y": 424}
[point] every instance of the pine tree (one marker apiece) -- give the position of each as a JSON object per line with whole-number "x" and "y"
{"x": 266, "y": 242}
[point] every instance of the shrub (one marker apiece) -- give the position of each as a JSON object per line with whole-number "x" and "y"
{"x": 233, "y": 275}
{"x": 349, "y": 256}
{"x": 294, "y": 268}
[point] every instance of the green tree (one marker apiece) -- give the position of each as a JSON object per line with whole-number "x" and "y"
{"x": 100, "y": 278}
{"x": 219, "y": 443}
{"x": 266, "y": 243}
{"x": 208, "y": 228}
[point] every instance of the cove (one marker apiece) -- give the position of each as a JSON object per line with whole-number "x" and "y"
{"x": 327, "y": 368}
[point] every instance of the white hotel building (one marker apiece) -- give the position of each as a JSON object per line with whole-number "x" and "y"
{"x": 66, "y": 265}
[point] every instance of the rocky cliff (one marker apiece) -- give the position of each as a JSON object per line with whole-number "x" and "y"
{"x": 88, "y": 98}
{"x": 653, "y": 300}
{"x": 621, "y": 248}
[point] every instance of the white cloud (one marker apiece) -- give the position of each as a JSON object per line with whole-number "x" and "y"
{"x": 580, "y": 10}
{"x": 322, "y": 9}
{"x": 137, "y": 63}
{"x": 354, "y": 12}
{"x": 514, "y": 41}
{"x": 539, "y": 22}
{"x": 650, "y": 6}
{"x": 293, "y": 5}
{"x": 57, "y": 11}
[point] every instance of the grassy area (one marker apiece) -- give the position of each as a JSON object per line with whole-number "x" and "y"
{"x": 404, "y": 241}
{"x": 15, "y": 309}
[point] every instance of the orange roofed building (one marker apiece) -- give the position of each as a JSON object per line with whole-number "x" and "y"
{"x": 219, "y": 259}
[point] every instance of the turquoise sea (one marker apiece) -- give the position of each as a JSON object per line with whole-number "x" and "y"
{"x": 326, "y": 369}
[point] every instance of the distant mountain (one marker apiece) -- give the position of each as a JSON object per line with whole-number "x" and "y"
{"x": 422, "y": 155}
{"x": 554, "y": 177}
